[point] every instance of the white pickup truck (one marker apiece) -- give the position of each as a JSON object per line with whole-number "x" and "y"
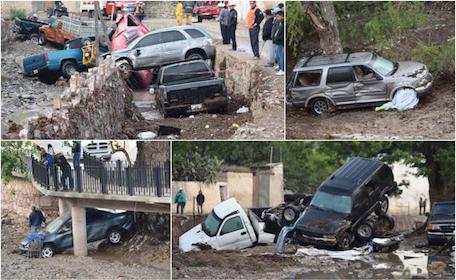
{"x": 227, "y": 227}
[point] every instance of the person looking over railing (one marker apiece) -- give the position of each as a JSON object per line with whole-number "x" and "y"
{"x": 65, "y": 167}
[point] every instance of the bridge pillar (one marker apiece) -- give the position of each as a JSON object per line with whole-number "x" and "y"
{"x": 78, "y": 216}
{"x": 64, "y": 206}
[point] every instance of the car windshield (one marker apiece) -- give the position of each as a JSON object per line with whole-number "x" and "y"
{"x": 55, "y": 225}
{"x": 382, "y": 65}
{"x": 211, "y": 224}
{"x": 443, "y": 210}
{"x": 332, "y": 202}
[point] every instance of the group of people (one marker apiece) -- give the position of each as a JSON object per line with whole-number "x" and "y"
{"x": 50, "y": 159}
{"x": 272, "y": 35}
{"x": 181, "y": 199}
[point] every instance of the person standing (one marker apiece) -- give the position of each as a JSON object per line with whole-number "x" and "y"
{"x": 278, "y": 40}
{"x": 232, "y": 25}
{"x": 76, "y": 150}
{"x": 36, "y": 219}
{"x": 188, "y": 10}
{"x": 254, "y": 18}
{"x": 200, "y": 201}
{"x": 179, "y": 13}
{"x": 268, "y": 45}
{"x": 424, "y": 206}
{"x": 180, "y": 199}
{"x": 51, "y": 150}
{"x": 67, "y": 173}
{"x": 224, "y": 24}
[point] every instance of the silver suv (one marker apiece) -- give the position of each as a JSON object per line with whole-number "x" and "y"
{"x": 165, "y": 46}
{"x": 353, "y": 80}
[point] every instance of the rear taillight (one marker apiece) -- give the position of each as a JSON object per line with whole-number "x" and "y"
{"x": 46, "y": 57}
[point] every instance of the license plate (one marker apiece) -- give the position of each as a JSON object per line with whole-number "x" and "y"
{"x": 196, "y": 107}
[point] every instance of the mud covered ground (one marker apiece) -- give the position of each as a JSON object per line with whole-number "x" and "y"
{"x": 262, "y": 262}
{"x": 103, "y": 261}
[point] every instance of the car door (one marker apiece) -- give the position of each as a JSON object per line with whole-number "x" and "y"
{"x": 304, "y": 84}
{"x": 369, "y": 86}
{"x": 64, "y": 236}
{"x": 148, "y": 51}
{"x": 339, "y": 84}
{"x": 96, "y": 225}
{"x": 173, "y": 43}
{"x": 233, "y": 234}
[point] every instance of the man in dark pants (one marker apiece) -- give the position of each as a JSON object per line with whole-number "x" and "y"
{"x": 36, "y": 219}
{"x": 224, "y": 24}
{"x": 65, "y": 167}
{"x": 277, "y": 36}
{"x": 200, "y": 201}
{"x": 233, "y": 25}
{"x": 254, "y": 18}
{"x": 76, "y": 150}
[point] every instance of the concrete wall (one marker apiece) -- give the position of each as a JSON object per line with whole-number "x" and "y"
{"x": 276, "y": 185}
{"x": 191, "y": 189}
{"x": 240, "y": 186}
{"x": 95, "y": 106}
{"x": 19, "y": 195}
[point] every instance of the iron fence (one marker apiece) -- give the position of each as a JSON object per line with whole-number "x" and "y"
{"x": 97, "y": 176}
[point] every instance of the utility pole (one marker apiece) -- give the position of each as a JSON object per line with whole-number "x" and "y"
{"x": 97, "y": 36}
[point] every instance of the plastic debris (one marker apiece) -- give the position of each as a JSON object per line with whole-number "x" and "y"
{"x": 191, "y": 117}
{"x": 207, "y": 126}
{"x": 405, "y": 99}
{"x": 147, "y": 135}
{"x": 242, "y": 110}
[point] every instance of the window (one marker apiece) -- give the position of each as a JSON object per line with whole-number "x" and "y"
{"x": 172, "y": 36}
{"x": 75, "y": 44}
{"x": 92, "y": 216}
{"x": 194, "y": 33}
{"x": 332, "y": 202}
{"x": 363, "y": 73}
{"x": 342, "y": 74}
{"x": 382, "y": 65}
{"x": 232, "y": 225}
{"x": 211, "y": 224}
{"x": 186, "y": 71}
{"x": 131, "y": 21}
{"x": 55, "y": 24}
{"x": 152, "y": 39}
{"x": 308, "y": 78}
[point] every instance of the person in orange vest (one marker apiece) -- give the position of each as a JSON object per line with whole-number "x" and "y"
{"x": 254, "y": 18}
{"x": 179, "y": 13}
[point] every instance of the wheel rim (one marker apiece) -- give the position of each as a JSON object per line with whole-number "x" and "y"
{"x": 46, "y": 252}
{"x": 346, "y": 243}
{"x": 34, "y": 39}
{"x": 70, "y": 69}
{"x": 320, "y": 106}
{"x": 364, "y": 231}
{"x": 289, "y": 215}
{"x": 114, "y": 237}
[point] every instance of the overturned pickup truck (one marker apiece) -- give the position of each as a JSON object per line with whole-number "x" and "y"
{"x": 348, "y": 207}
{"x": 227, "y": 227}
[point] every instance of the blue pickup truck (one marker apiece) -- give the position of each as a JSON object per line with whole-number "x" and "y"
{"x": 49, "y": 66}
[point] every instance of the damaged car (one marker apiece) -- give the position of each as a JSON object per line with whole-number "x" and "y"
{"x": 227, "y": 227}
{"x": 347, "y": 206}
{"x": 440, "y": 224}
{"x": 352, "y": 80}
{"x": 58, "y": 235}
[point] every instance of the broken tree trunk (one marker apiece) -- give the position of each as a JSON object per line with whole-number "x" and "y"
{"x": 325, "y": 23}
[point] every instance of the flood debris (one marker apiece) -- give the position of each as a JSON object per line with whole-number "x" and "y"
{"x": 404, "y": 99}
{"x": 147, "y": 135}
{"x": 164, "y": 130}
{"x": 242, "y": 110}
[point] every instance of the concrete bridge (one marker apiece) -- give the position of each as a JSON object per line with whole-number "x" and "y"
{"x": 143, "y": 187}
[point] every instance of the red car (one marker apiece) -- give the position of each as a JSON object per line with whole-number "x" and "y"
{"x": 112, "y": 7}
{"x": 128, "y": 28}
{"x": 206, "y": 10}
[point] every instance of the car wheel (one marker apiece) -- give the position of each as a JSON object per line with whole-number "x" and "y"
{"x": 290, "y": 214}
{"x": 385, "y": 221}
{"x": 344, "y": 242}
{"x": 48, "y": 77}
{"x": 383, "y": 206}
{"x": 194, "y": 55}
{"x": 318, "y": 106}
{"x": 35, "y": 38}
{"x": 69, "y": 68}
{"x": 42, "y": 39}
{"x": 114, "y": 236}
{"x": 47, "y": 251}
{"x": 365, "y": 231}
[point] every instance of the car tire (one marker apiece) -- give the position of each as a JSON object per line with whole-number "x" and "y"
{"x": 383, "y": 206}
{"x": 318, "y": 106}
{"x": 68, "y": 68}
{"x": 42, "y": 39}
{"x": 364, "y": 232}
{"x": 114, "y": 236}
{"x": 289, "y": 215}
{"x": 385, "y": 218}
{"x": 344, "y": 242}
{"x": 34, "y": 38}
{"x": 48, "y": 77}
{"x": 193, "y": 55}
{"x": 48, "y": 251}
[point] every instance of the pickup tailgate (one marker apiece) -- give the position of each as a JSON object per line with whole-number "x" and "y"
{"x": 194, "y": 92}
{"x": 258, "y": 226}
{"x": 32, "y": 64}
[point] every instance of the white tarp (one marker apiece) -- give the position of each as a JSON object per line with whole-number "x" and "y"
{"x": 349, "y": 255}
{"x": 405, "y": 99}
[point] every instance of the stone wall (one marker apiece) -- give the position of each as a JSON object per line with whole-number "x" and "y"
{"x": 19, "y": 195}
{"x": 95, "y": 106}
{"x": 160, "y": 9}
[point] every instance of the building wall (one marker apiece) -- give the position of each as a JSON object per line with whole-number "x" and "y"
{"x": 191, "y": 189}
{"x": 240, "y": 186}
{"x": 276, "y": 185}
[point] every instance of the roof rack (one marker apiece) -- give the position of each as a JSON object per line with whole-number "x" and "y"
{"x": 348, "y": 55}
{"x": 307, "y": 60}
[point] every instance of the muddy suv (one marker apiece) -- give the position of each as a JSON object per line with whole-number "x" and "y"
{"x": 342, "y": 208}
{"x": 353, "y": 80}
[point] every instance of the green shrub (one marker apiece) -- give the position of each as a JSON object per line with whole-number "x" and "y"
{"x": 439, "y": 58}
{"x": 196, "y": 167}
{"x": 17, "y": 13}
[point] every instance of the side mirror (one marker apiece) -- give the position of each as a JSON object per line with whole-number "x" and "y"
{"x": 138, "y": 52}
{"x": 378, "y": 77}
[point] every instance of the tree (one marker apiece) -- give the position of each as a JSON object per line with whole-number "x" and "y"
{"x": 15, "y": 156}
{"x": 324, "y": 20}
{"x": 152, "y": 151}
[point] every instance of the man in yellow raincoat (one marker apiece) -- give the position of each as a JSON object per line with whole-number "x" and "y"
{"x": 179, "y": 13}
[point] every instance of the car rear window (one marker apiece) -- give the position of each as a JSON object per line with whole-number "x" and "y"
{"x": 308, "y": 78}
{"x": 341, "y": 74}
{"x": 185, "y": 71}
{"x": 194, "y": 33}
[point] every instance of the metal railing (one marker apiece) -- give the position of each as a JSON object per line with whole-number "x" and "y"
{"x": 97, "y": 176}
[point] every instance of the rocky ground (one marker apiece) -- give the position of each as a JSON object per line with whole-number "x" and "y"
{"x": 103, "y": 261}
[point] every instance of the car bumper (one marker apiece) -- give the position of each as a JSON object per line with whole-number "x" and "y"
{"x": 207, "y": 105}
{"x": 439, "y": 236}
{"x": 424, "y": 90}
{"x": 302, "y": 238}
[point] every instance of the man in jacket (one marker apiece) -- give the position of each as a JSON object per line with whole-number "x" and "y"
{"x": 179, "y": 13}
{"x": 200, "y": 201}
{"x": 180, "y": 199}
{"x": 36, "y": 219}
{"x": 65, "y": 167}
{"x": 224, "y": 24}
{"x": 268, "y": 45}
{"x": 277, "y": 36}
{"x": 188, "y": 10}
{"x": 254, "y": 18}
{"x": 232, "y": 25}
{"x": 76, "y": 150}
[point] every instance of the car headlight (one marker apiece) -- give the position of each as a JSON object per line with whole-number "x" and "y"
{"x": 432, "y": 227}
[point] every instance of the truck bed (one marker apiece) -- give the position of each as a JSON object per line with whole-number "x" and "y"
{"x": 194, "y": 92}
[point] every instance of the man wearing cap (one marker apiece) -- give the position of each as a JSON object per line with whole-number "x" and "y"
{"x": 232, "y": 25}
{"x": 254, "y": 18}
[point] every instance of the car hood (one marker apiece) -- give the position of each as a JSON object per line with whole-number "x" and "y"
{"x": 188, "y": 240}
{"x": 322, "y": 222}
{"x": 410, "y": 69}
{"x": 441, "y": 220}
